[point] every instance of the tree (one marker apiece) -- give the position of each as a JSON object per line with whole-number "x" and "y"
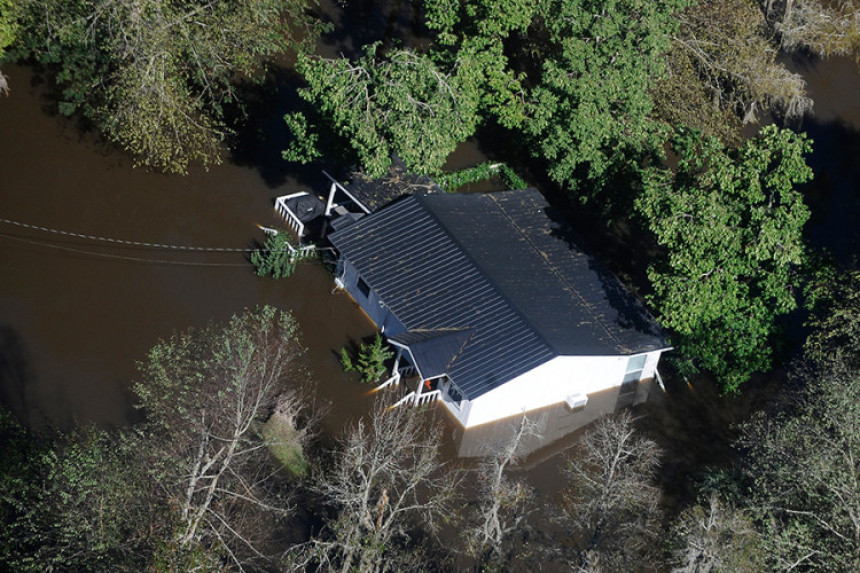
{"x": 722, "y": 71}
{"x": 729, "y": 222}
{"x": 278, "y": 258}
{"x": 78, "y": 501}
{"x": 834, "y": 298}
{"x": 8, "y": 33}
{"x": 206, "y": 395}
{"x": 716, "y": 537}
{"x": 397, "y": 103}
{"x": 824, "y": 28}
{"x": 502, "y": 504}
{"x": 611, "y": 501}
{"x": 802, "y": 462}
{"x": 369, "y": 361}
{"x": 571, "y": 77}
{"x": 590, "y": 110}
{"x": 156, "y": 76}
{"x": 385, "y": 483}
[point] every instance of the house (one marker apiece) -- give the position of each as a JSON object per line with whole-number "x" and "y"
{"x": 487, "y": 298}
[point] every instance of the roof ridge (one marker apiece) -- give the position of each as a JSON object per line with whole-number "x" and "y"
{"x": 508, "y": 302}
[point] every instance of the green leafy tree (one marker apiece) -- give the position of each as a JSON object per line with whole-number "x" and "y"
{"x": 834, "y": 298}
{"x": 589, "y": 113}
{"x": 400, "y": 102}
{"x": 571, "y": 76}
{"x": 8, "y": 33}
{"x": 79, "y": 501}
{"x": 156, "y": 76}
{"x": 730, "y": 224}
{"x": 277, "y": 258}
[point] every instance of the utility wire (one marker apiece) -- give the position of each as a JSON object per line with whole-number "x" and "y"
{"x": 121, "y": 257}
{"x": 123, "y": 242}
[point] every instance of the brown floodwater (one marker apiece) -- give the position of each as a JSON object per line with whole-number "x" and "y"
{"x": 76, "y": 314}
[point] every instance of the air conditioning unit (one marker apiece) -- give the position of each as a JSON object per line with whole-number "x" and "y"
{"x": 576, "y": 401}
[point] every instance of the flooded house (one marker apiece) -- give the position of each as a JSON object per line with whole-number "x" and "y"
{"x": 488, "y": 300}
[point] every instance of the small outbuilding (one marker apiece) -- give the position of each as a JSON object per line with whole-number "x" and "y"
{"x": 489, "y": 300}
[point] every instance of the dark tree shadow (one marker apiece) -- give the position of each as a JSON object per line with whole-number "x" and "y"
{"x": 15, "y": 373}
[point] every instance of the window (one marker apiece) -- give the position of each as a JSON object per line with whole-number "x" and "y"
{"x": 634, "y": 368}
{"x": 454, "y": 394}
{"x": 363, "y": 287}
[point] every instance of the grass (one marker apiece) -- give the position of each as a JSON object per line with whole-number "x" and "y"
{"x": 283, "y": 440}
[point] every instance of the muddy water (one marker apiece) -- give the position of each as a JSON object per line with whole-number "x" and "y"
{"x": 76, "y": 315}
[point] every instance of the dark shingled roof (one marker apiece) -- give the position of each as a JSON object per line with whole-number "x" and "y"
{"x": 502, "y": 267}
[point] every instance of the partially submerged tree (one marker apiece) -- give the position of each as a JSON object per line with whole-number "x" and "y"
{"x": 713, "y": 538}
{"x": 8, "y": 33}
{"x": 399, "y": 103}
{"x": 503, "y": 502}
{"x": 156, "y": 76}
{"x": 206, "y": 395}
{"x": 589, "y": 113}
{"x": 369, "y": 361}
{"x": 730, "y": 222}
{"x": 825, "y": 28}
{"x": 722, "y": 71}
{"x": 80, "y": 501}
{"x": 385, "y": 487}
{"x": 834, "y": 298}
{"x": 802, "y": 461}
{"x": 278, "y": 258}
{"x": 611, "y": 501}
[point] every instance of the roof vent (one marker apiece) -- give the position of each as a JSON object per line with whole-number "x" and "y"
{"x": 575, "y": 401}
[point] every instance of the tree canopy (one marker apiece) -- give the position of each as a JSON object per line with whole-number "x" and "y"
{"x": 400, "y": 102}
{"x": 577, "y": 92}
{"x": 589, "y": 113}
{"x": 156, "y": 76}
{"x": 730, "y": 223}
{"x": 8, "y": 33}
{"x": 722, "y": 71}
{"x": 801, "y": 465}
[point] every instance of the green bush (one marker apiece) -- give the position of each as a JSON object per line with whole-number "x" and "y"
{"x": 277, "y": 258}
{"x": 370, "y": 360}
{"x": 450, "y": 182}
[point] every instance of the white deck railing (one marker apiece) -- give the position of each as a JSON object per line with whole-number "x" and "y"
{"x": 393, "y": 381}
{"x": 414, "y": 399}
{"x": 426, "y": 397}
{"x": 291, "y": 218}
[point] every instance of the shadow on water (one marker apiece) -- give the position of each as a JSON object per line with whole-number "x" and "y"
{"x": 15, "y": 371}
{"x": 834, "y": 194}
{"x": 361, "y": 22}
{"x": 263, "y": 135}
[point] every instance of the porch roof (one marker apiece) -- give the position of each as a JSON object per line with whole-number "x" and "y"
{"x": 434, "y": 351}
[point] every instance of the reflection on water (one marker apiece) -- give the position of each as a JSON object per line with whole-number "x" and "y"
{"x": 554, "y": 426}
